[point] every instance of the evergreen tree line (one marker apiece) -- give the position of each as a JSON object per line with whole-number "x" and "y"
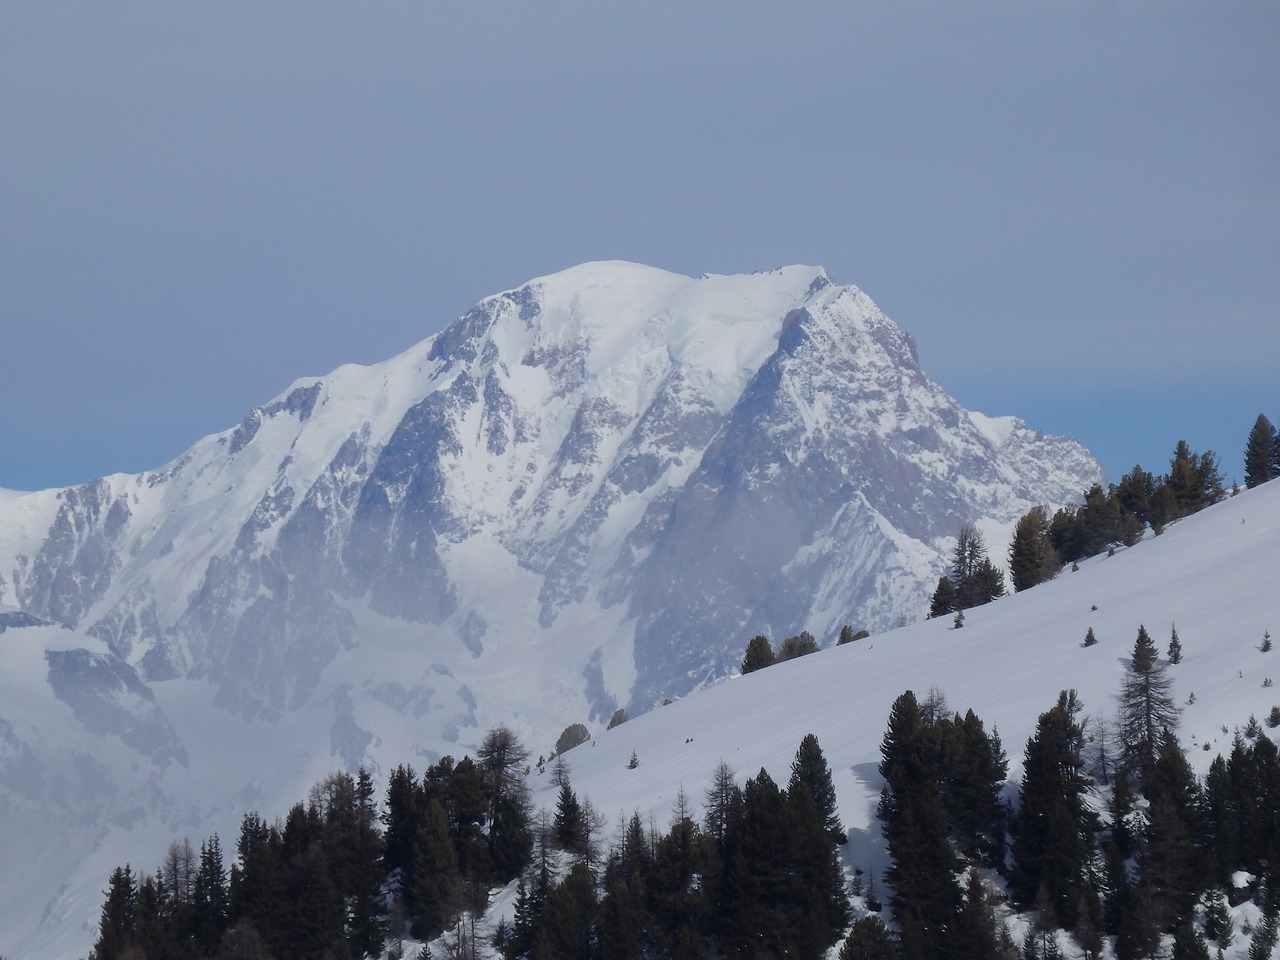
{"x": 335, "y": 878}
{"x": 972, "y": 581}
{"x": 1166, "y": 844}
{"x": 1118, "y": 514}
{"x": 760, "y": 876}
{"x": 1112, "y": 836}
{"x": 760, "y": 652}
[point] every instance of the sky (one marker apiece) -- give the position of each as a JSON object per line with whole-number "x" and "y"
{"x": 1073, "y": 208}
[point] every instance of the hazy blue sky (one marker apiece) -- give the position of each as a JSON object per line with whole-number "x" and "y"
{"x": 1074, "y": 207}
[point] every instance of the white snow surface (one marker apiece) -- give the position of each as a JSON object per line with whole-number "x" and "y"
{"x": 1213, "y": 575}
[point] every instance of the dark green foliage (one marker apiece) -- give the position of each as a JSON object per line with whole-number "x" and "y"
{"x": 315, "y": 886}
{"x": 782, "y": 890}
{"x": 1148, "y": 716}
{"x": 1032, "y": 558}
{"x": 116, "y": 928}
{"x": 432, "y": 886}
{"x": 973, "y": 767}
{"x": 977, "y": 932}
{"x": 564, "y": 928}
{"x": 977, "y": 581}
{"x": 869, "y": 939}
{"x": 1053, "y": 829}
{"x": 944, "y": 598}
{"x": 1240, "y": 819}
{"x": 848, "y": 636}
{"x": 571, "y": 736}
{"x": 1090, "y": 638}
{"x": 211, "y": 901}
{"x": 1194, "y": 479}
{"x": 1260, "y": 460}
{"x": 1175, "y": 646}
{"x": 1218, "y": 925}
{"x": 759, "y": 654}
{"x": 1188, "y": 944}
{"x": 619, "y": 717}
{"x": 570, "y": 824}
{"x": 925, "y": 899}
{"x": 800, "y": 645}
{"x": 1170, "y": 867}
{"x": 810, "y": 773}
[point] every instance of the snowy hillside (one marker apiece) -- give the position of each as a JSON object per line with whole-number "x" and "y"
{"x": 1212, "y": 574}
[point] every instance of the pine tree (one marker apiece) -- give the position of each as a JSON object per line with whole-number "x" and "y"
{"x": 1175, "y": 646}
{"x": 1260, "y": 464}
{"x": 809, "y": 771}
{"x": 570, "y": 825}
{"x": 1090, "y": 638}
{"x": 503, "y": 760}
{"x": 944, "y": 598}
{"x": 974, "y": 768}
{"x": 1032, "y": 559}
{"x": 869, "y": 939}
{"x": 800, "y": 645}
{"x": 1053, "y": 829}
{"x": 433, "y": 876}
{"x": 1148, "y": 716}
{"x": 1188, "y": 944}
{"x": 212, "y": 898}
{"x": 925, "y": 899}
{"x": 976, "y": 579}
{"x": 759, "y": 654}
{"x": 116, "y": 930}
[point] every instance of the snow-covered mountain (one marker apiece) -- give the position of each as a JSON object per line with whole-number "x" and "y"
{"x": 585, "y": 493}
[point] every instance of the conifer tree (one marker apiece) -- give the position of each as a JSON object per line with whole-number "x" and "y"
{"x": 1148, "y": 716}
{"x": 433, "y": 876}
{"x": 723, "y": 806}
{"x": 1053, "y": 829}
{"x": 1175, "y": 646}
{"x": 977, "y": 580}
{"x": 1090, "y": 638}
{"x": 809, "y": 772}
{"x": 869, "y": 939}
{"x": 944, "y": 598}
{"x": 570, "y": 825}
{"x": 116, "y": 928}
{"x": 974, "y": 767}
{"x": 211, "y": 901}
{"x": 800, "y": 645}
{"x": 759, "y": 654}
{"x": 1032, "y": 559}
{"x": 925, "y": 899}
{"x": 1260, "y": 463}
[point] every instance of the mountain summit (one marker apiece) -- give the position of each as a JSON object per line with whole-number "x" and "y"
{"x": 606, "y": 479}
{"x": 586, "y": 493}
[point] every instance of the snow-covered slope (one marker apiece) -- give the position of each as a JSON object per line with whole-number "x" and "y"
{"x": 1213, "y": 575}
{"x": 585, "y": 493}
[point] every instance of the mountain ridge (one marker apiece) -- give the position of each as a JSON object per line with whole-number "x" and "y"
{"x": 584, "y": 494}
